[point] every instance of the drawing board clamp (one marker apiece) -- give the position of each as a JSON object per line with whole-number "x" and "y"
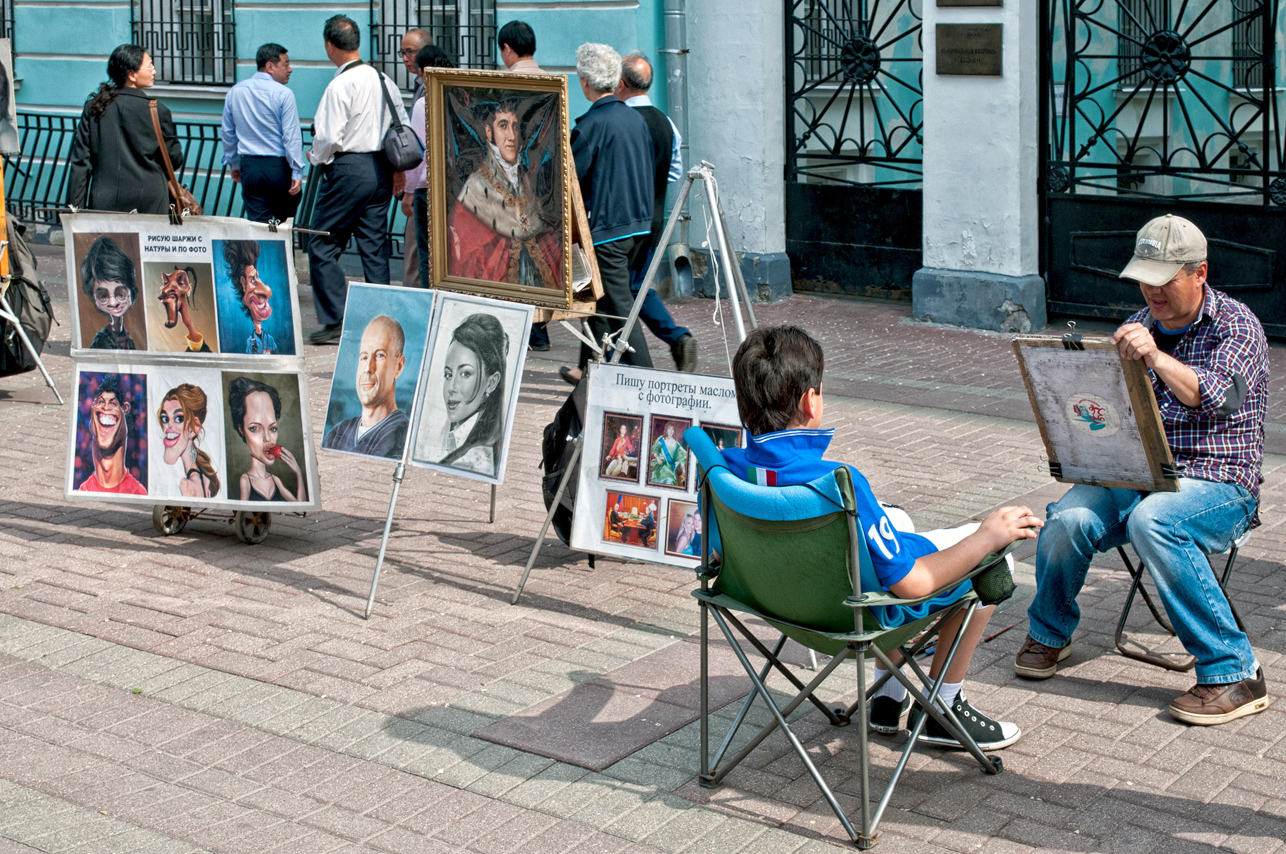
{"x": 1097, "y": 413}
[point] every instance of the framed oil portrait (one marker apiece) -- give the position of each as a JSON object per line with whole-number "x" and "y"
{"x": 667, "y": 463}
{"x": 683, "y": 529}
{"x": 500, "y": 210}
{"x": 622, "y": 439}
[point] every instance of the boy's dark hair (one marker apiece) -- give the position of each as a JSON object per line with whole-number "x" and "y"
{"x": 519, "y": 36}
{"x": 107, "y": 262}
{"x": 270, "y": 52}
{"x": 343, "y": 32}
{"x": 772, "y": 370}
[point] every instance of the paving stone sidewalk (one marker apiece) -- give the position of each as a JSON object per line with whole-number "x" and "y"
{"x": 270, "y": 716}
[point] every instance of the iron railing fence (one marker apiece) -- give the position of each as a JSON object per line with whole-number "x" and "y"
{"x": 464, "y": 29}
{"x": 36, "y": 179}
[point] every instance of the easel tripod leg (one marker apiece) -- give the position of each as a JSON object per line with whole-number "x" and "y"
{"x": 549, "y": 518}
{"x": 388, "y": 527}
{"x": 491, "y": 514}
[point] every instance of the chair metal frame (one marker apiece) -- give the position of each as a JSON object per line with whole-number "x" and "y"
{"x": 861, "y": 643}
{"x": 1137, "y": 589}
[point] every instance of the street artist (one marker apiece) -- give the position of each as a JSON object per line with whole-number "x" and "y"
{"x": 1208, "y": 361}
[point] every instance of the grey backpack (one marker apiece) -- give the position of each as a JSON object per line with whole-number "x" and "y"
{"x": 401, "y": 145}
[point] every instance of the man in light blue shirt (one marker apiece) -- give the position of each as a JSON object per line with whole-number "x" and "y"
{"x": 262, "y": 143}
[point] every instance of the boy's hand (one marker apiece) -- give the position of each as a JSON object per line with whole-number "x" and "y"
{"x": 1008, "y": 524}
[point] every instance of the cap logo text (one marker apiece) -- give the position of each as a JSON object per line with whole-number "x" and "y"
{"x": 1147, "y": 246}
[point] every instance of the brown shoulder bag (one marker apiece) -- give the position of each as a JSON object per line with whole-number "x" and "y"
{"x": 182, "y": 196}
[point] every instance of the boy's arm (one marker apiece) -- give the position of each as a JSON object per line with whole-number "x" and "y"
{"x": 935, "y": 571}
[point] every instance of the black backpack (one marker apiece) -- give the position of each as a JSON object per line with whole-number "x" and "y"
{"x": 555, "y": 454}
{"x": 30, "y": 303}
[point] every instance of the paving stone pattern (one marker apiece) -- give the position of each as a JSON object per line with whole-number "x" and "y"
{"x": 270, "y": 717}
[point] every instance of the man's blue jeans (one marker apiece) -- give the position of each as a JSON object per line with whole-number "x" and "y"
{"x": 1172, "y": 532}
{"x": 654, "y": 313}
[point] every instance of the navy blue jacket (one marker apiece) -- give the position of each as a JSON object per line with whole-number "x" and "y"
{"x": 613, "y": 151}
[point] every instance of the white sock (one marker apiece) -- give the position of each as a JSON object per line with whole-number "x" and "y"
{"x": 949, "y": 692}
{"x": 892, "y": 689}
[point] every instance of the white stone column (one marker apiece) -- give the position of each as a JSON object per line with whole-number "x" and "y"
{"x": 981, "y": 162}
{"x": 736, "y": 120}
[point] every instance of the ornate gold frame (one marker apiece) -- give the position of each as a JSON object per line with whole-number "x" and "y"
{"x": 435, "y": 136}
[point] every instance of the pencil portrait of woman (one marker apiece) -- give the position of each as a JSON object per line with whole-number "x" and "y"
{"x": 182, "y": 418}
{"x": 473, "y": 392}
{"x": 255, "y": 408}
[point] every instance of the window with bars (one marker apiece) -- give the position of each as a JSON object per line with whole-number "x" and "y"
{"x": 190, "y": 41}
{"x": 1248, "y": 53}
{"x": 464, "y": 29}
{"x": 6, "y": 20}
{"x": 1138, "y": 19}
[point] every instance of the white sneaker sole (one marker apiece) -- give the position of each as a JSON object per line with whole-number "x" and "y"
{"x": 1213, "y": 720}
{"x": 952, "y": 744}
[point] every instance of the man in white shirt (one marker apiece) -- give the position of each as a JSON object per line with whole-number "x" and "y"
{"x": 356, "y": 178}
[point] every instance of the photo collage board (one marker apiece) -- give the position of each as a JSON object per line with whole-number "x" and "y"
{"x": 189, "y": 380}
{"x": 439, "y": 369}
{"x": 636, "y": 498}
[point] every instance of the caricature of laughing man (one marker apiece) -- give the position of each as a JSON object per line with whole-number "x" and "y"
{"x": 109, "y": 431}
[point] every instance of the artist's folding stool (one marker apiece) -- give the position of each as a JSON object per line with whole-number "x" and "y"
{"x": 1137, "y": 589}
{"x": 794, "y": 557}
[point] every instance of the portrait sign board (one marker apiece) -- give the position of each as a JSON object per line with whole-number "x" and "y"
{"x": 469, "y": 391}
{"x": 213, "y": 285}
{"x": 378, "y": 370}
{"x": 1097, "y": 414}
{"x": 223, "y": 434}
{"x": 636, "y": 493}
{"x": 500, "y": 172}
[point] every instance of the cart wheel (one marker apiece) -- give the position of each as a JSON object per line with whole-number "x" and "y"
{"x": 167, "y": 520}
{"x": 252, "y": 527}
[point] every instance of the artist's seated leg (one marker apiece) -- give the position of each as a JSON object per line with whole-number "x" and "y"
{"x": 1085, "y": 521}
{"x": 1172, "y": 532}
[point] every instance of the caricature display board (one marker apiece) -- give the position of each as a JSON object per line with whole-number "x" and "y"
{"x": 213, "y": 285}
{"x": 1097, "y": 413}
{"x": 469, "y": 391}
{"x": 636, "y": 497}
{"x": 224, "y": 434}
{"x": 378, "y": 370}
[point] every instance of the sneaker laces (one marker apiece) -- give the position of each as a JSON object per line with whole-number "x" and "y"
{"x": 1204, "y": 693}
{"x": 1033, "y": 645}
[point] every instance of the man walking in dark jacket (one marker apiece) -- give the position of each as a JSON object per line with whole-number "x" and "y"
{"x": 613, "y": 154}
{"x": 667, "y": 167}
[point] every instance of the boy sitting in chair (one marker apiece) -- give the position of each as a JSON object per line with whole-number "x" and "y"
{"x": 778, "y": 375}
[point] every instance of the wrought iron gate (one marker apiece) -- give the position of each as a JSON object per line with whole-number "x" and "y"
{"x": 854, "y": 122}
{"x": 1163, "y": 106}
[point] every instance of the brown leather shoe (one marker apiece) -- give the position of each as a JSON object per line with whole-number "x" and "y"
{"x": 1037, "y": 661}
{"x": 1206, "y": 705}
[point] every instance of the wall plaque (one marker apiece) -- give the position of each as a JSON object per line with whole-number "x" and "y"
{"x": 947, "y": 4}
{"x": 970, "y": 50}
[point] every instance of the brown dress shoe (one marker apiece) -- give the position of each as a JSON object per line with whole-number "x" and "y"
{"x": 1037, "y": 661}
{"x": 1206, "y": 705}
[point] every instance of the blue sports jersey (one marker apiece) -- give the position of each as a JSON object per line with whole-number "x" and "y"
{"x": 792, "y": 457}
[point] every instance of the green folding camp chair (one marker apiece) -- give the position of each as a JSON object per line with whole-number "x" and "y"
{"x": 793, "y": 556}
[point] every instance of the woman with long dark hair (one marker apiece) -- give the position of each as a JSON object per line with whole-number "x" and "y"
{"x": 473, "y": 390}
{"x": 116, "y": 162}
{"x": 182, "y": 419}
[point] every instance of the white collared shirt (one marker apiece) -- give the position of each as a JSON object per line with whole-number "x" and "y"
{"x": 352, "y": 116}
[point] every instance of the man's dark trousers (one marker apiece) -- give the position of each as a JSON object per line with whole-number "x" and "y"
{"x": 265, "y": 188}
{"x": 654, "y": 313}
{"x": 352, "y": 202}
{"x": 614, "y": 260}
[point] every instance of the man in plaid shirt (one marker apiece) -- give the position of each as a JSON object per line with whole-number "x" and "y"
{"x": 1208, "y": 361}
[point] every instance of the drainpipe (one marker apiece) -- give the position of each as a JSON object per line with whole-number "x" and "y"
{"x": 676, "y": 66}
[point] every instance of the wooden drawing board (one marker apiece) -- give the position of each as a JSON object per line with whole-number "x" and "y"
{"x": 1097, "y": 414}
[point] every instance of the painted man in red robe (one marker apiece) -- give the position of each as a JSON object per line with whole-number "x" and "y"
{"x": 498, "y": 230}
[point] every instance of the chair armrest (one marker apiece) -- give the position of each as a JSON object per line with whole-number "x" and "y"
{"x": 883, "y": 597}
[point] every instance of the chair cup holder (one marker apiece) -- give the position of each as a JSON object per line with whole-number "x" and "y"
{"x": 995, "y": 585}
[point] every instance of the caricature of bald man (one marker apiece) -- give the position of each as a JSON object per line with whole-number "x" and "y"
{"x": 380, "y": 431}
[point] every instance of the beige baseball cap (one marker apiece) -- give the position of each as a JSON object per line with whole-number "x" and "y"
{"x": 1161, "y": 249}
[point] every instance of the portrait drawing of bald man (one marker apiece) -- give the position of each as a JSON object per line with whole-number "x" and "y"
{"x": 380, "y": 429}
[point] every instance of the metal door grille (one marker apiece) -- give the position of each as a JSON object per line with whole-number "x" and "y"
{"x": 464, "y": 29}
{"x": 190, "y": 41}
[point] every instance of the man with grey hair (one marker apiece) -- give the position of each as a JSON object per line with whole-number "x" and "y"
{"x": 667, "y": 167}
{"x": 613, "y": 154}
